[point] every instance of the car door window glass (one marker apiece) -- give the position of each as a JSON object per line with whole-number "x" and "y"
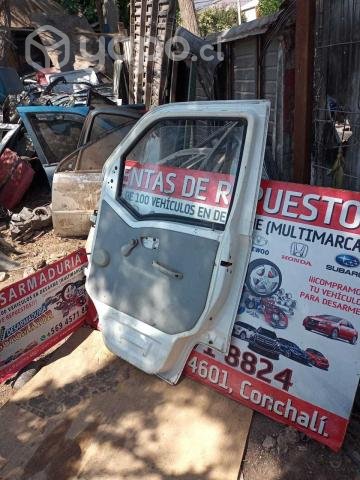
{"x": 93, "y": 156}
{"x": 57, "y": 133}
{"x": 184, "y": 168}
{"x": 105, "y": 122}
{"x": 68, "y": 164}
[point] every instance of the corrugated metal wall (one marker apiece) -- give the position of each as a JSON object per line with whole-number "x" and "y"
{"x": 251, "y": 81}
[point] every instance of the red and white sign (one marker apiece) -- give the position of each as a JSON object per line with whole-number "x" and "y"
{"x": 40, "y": 310}
{"x": 295, "y": 353}
{"x": 196, "y": 194}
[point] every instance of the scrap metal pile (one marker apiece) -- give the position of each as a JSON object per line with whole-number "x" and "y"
{"x": 49, "y": 121}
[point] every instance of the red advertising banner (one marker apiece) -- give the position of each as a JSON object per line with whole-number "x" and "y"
{"x": 150, "y": 188}
{"x": 295, "y": 354}
{"x": 40, "y": 310}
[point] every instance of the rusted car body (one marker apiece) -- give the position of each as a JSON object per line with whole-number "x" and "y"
{"x": 77, "y": 180}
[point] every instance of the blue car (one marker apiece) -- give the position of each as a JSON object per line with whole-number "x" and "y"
{"x": 293, "y": 351}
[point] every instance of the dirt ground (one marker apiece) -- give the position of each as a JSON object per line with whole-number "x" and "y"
{"x": 276, "y": 452}
{"x": 34, "y": 255}
{"x": 293, "y": 456}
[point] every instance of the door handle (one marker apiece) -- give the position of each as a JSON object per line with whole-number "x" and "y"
{"x": 129, "y": 247}
{"x": 167, "y": 271}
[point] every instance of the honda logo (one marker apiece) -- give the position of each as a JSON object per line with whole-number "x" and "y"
{"x": 299, "y": 250}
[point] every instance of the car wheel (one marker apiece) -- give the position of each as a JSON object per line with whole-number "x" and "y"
{"x": 353, "y": 340}
{"x": 334, "y": 334}
{"x": 287, "y": 354}
{"x": 308, "y": 329}
{"x": 243, "y": 336}
{"x": 263, "y": 278}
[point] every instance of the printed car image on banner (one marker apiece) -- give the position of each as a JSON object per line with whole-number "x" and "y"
{"x": 295, "y": 354}
{"x": 40, "y": 310}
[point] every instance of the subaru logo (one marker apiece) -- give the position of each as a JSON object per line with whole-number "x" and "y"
{"x": 348, "y": 261}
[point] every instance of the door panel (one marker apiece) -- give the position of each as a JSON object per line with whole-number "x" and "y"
{"x": 173, "y": 234}
{"x": 169, "y": 304}
{"x": 54, "y": 131}
{"x": 75, "y": 196}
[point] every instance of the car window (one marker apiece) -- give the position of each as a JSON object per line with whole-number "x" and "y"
{"x": 57, "y": 133}
{"x": 69, "y": 163}
{"x": 268, "y": 333}
{"x": 92, "y": 156}
{"x": 105, "y": 122}
{"x": 331, "y": 318}
{"x": 184, "y": 168}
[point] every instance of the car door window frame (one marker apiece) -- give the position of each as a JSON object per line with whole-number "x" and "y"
{"x": 172, "y": 217}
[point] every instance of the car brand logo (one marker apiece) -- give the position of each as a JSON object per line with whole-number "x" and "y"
{"x": 299, "y": 250}
{"x": 348, "y": 261}
{"x": 259, "y": 240}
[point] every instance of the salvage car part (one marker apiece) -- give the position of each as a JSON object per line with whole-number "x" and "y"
{"x": 77, "y": 179}
{"x": 77, "y": 184}
{"x": 16, "y": 176}
{"x": 188, "y": 176}
{"x": 8, "y": 133}
{"x": 54, "y": 132}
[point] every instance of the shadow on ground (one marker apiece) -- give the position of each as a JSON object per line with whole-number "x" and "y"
{"x": 103, "y": 419}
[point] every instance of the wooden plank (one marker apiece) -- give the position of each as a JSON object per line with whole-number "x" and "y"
{"x": 304, "y": 60}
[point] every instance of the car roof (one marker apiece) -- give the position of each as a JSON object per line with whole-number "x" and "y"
{"x": 244, "y": 324}
{"x": 283, "y": 340}
{"x": 265, "y": 330}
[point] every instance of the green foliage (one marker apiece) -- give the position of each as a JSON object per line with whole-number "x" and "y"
{"x": 88, "y": 9}
{"x": 268, "y": 7}
{"x": 215, "y": 19}
{"x": 85, "y": 7}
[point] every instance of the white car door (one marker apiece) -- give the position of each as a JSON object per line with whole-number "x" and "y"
{"x": 173, "y": 233}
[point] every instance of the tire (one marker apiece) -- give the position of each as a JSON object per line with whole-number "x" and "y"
{"x": 287, "y": 354}
{"x": 243, "y": 336}
{"x": 334, "y": 334}
{"x": 249, "y": 277}
{"x": 308, "y": 329}
{"x": 353, "y": 340}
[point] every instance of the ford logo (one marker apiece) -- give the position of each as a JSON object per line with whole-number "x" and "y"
{"x": 348, "y": 261}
